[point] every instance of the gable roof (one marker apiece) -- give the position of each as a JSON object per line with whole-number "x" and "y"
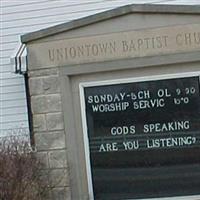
{"x": 133, "y": 8}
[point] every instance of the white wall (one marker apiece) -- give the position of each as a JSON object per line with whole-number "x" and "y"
{"x": 22, "y": 16}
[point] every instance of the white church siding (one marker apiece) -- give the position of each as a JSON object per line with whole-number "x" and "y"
{"x": 22, "y": 16}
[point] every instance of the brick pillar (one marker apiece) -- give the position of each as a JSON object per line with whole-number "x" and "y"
{"x": 48, "y": 128}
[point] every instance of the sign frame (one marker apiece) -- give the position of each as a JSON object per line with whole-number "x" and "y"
{"x": 83, "y": 85}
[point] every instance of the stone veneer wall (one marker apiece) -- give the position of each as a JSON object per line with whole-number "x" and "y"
{"x": 48, "y": 128}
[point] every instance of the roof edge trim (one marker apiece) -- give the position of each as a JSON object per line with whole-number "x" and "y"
{"x": 123, "y": 10}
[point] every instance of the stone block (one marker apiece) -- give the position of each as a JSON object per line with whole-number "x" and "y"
{"x": 46, "y": 103}
{"x": 35, "y": 86}
{"x": 43, "y": 158}
{"x": 39, "y": 104}
{"x": 61, "y": 193}
{"x": 51, "y": 85}
{"x": 43, "y": 72}
{"x": 50, "y": 140}
{"x": 55, "y": 121}
{"x": 47, "y": 196}
{"x": 58, "y": 159}
{"x": 59, "y": 177}
{"x": 39, "y": 122}
{"x": 53, "y": 103}
{"x": 44, "y": 178}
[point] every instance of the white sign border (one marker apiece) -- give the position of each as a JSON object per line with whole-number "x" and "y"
{"x": 82, "y": 85}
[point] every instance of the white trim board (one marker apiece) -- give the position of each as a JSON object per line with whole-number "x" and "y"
{"x": 193, "y": 197}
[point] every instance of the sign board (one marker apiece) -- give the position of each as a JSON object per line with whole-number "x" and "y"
{"x": 137, "y": 130}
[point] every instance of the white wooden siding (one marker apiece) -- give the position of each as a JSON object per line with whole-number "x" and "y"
{"x": 22, "y": 16}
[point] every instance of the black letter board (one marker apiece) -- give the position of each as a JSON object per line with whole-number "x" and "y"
{"x": 144, "y": 138}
